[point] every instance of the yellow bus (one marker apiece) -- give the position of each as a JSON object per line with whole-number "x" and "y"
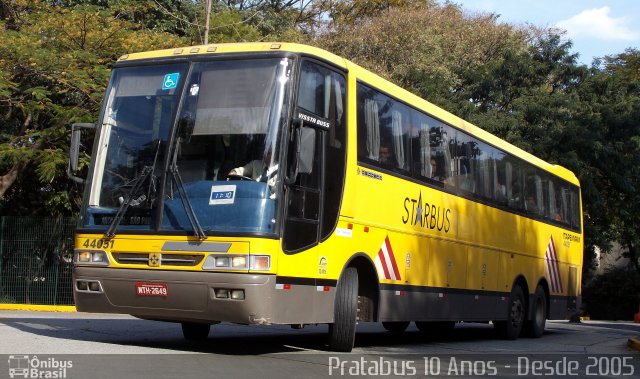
{"x": 277, "y": 183}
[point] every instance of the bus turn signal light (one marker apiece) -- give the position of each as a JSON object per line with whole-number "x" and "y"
{"x": 260, "y": 262}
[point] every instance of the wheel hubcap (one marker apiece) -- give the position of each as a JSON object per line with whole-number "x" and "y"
{"x": 516, "y": 313}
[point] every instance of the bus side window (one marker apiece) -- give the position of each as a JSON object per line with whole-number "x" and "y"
{"x": 554, "y": 202}
{"x": 574, "y": 211}
{"x": 421, "y": 148}
{"x": 466, "y": 153}
{"x": 485, "y": 168}
{"x": 501, "y": 189}
{"x": 533, "y": 195}
{"x": 516, "y": 200}
{"x": 383, "y": 125}
{"x": 368, "y": 125}
{"x": 571, "y": 206}
{"x": 431, "y": 149}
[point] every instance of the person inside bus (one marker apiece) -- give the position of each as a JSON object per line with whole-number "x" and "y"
{"x": 385, "y": 156}
{"x": 260, "y": 170}
{"x": 435, "y": 174}
{"x": 500, "y": 190}
{"x": 558, "y": 216}
{"x": 531, "y": 205}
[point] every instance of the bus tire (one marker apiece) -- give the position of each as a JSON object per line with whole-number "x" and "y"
{"x": 395, "y": 326}
{"x": 534, "y": 328}
{"x": 342, "y": 333}
{"x": 516, "y": 315}
{"x": 195, "y": 331}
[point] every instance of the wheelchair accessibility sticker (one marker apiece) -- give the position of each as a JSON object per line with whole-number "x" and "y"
{"x": 170, "y": 81}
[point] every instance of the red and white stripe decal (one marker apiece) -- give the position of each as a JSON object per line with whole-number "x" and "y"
{"x": 553, "y": 267}
{"x": 386, "y": 262}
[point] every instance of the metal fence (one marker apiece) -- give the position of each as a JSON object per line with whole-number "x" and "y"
{"x": 36, "y": 260}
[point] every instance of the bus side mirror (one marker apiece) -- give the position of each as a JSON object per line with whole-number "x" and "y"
{"x": 74, "y": 149}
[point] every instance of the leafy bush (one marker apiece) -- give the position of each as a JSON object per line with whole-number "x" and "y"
{"x": 614, "y": 295}
{"x": 6, "y": 299}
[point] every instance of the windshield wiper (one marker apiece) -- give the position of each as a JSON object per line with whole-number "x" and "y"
{"x": 191, "y": 214}
{"x": 128, "y": 200}
{"x": 135, "y": 187}
{"x": 186, "y": 203}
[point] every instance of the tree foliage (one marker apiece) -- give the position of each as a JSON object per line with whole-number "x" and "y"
{"x": 613, "y": 295}
{"x": 54, "y": 66}
{"x": 444, "y": 45}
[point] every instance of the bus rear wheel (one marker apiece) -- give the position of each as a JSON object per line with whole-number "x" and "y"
{"x": 534, "y": 328}
{"x": 342, "y": 333}
{"x": 395, "y": 326}
{"x": 195, "y": 332}
{"x": 516, "y": 315}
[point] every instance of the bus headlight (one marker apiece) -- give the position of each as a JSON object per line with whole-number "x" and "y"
{"x": 237, "y": 262}
{"x": 222, "y": 262}
{"x": 91, "y": 257}
{"x": 225, "y": 262}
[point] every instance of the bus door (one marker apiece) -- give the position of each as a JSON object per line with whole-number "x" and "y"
{"x": 315, "y": 175}
{"x": 316, "y": 161}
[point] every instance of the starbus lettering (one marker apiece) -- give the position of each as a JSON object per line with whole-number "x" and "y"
{"x": 426, "y": 215}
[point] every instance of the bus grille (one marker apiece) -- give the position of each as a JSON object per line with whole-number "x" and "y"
{"x": 188, "y": 260}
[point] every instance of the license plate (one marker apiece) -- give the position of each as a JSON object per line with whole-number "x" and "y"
{"x": 151, "y": 289}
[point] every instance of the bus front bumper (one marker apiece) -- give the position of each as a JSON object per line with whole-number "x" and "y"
{"x": 181, "y": 296}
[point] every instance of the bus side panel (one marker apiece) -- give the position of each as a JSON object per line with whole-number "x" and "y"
{"x": 398, "y": 303}
{"x": 304, "y": 304}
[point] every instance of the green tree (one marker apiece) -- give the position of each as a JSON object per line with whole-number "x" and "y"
{"x": 613, "y": 96}
{"x": 54, "y": 66}
{"x": 422, "y": 46}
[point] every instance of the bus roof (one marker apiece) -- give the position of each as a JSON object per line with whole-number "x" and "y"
{"x": 225, "y": 48}
{"x": 366, "y": 76}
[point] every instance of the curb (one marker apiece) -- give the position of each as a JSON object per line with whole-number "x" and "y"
{"x": 38, "y": 308}
{"x": 634, "y": 343}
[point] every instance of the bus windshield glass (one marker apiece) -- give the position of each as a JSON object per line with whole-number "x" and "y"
{"x": 191, "y": 151}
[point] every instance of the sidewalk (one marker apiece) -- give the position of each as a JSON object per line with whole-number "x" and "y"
{"x": 41, "y": 308}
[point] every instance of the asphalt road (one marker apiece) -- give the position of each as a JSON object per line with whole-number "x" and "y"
{"x": 77, "y": 345}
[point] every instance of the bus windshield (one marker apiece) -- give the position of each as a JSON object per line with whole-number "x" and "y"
{"x": 188, "y": 152}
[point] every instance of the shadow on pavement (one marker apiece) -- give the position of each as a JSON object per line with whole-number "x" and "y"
{"x": 230, "y": 339}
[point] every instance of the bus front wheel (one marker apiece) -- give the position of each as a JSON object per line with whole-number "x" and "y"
{"x": 516, "y": 315}
{"x": 342, "y": 333}
{"x": 195, "y": 332}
